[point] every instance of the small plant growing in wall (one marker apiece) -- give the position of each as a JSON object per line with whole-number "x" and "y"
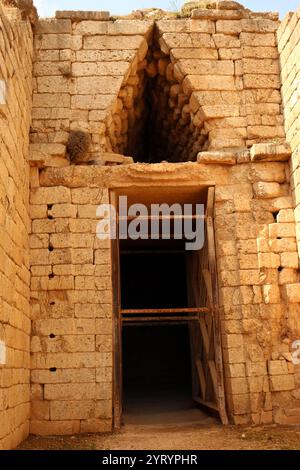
{"x": 66, "y": 71}
{"x": 78, "y": 146}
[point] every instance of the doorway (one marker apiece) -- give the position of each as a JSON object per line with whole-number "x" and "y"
{"x": 166, "y": 368}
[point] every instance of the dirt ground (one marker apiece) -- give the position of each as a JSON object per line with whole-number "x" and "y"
{"x": 185, "y": 437}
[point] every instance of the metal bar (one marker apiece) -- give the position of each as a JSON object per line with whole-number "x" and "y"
{"x": 163, "y": 310}
{"x": 159, "y": 319}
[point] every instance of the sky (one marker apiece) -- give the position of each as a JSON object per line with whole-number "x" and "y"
{"x": 48, "y": 7}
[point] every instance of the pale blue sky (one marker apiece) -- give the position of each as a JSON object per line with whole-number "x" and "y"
{"x": 48, "y": 7}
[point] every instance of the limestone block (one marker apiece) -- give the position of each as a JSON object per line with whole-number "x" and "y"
{"x": 105, "y": 55}
{"x": 256, "y": 369}
{"x": 235, "y": 370}
{"x": 286, "y": 230}
{"x": 93, "y": 311}
{"x": 194, "y": 53}
{"x": 39, "y": 257}
{"x": 54, "y": 84}
{"x": 63, "y": 210}
{"x": 271, "y": 294}
{"x": 73, "y": 391}
{"x": 256, "y": 80}
{"x": 261, "y": 66}
{"x": 103, "y": 407}
{"x": 116, "y": 28}
{"x": 277, "y": 368}
{"x": 50, "y": 100}
{"x": 72, "y": 409}
{"x": 102, "y": 42}
{"x": 289, "y": 260}
{"x": 229, "y": 27}
{"x": 287, "y": 275}
{"x": 93, "y": 102}
{"x": 230, "y": 54}
{"x": 263, "y": 190}
{"x": 237, "y": 385}
{"x": 207, "y": 67}
{"x": 210, "y": 14}
{"x": 226, "y": 41}
{"x": 39, "y": 241}
{"x": 259, "y": 25}
{"x": 98, "y": 85}
{"x": 55, "y": 283}
{"x": 40, "y": 410}
{"x": 292, "y": 292}
{"x": 94, "y": 69}
{"x": 96, "y": 425}
{"x": 282, "y": 382}
{"x": 47, "y": 154}
{"x": 260, "y": 52}
{"x": 59, "y": 427}
{"x": 104, "y": 343}
{"x": 270, "y": 152}
{"x": 208, "y": 82}
{"x": 268, "y": 260}
{"x": 258, "y": 39}
{"x": 183, "y": 40}
{"x": 83, "y": 15}
{"x": 223, "y": 158}
{"x": 54, "y": 41}
{"x": 53, "y": 26}
{"x": 185, "y": 26}
{"x": 283, "y": 245}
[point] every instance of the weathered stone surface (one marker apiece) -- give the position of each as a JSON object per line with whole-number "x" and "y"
{"x": 208, "y": 86}
{"x": 292, "y": 293}
{"x": 221, "y": 158}
{"x": 52, "y": 26}
{"x": 270, "y": 152}
{"x": 100, "y": 42}
{"x": 210, "y": 14}
{"x": 82, "y": 15}
{"x": 264, "y": 190}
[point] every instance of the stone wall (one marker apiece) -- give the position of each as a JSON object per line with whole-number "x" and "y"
{"x": 288, "y": 45}
{"x": 15, "y": 113}
{"x": 72, "y": 306}
{"x": 72, "y": 336}
{"x": 209, "y": 81}
{"x": 96, "y": 74}
{"x": 289, "y": 48}
{"x": 202, "y": 89}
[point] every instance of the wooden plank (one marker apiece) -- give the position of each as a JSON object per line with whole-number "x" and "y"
{"x": 207, "y": 280}
{"x": 212, "y": 265}
{"x": 117, "y": 333}
{"x": 214, "y": 377}
{"x": 204, "y": 335}
{"x": 210, "y": 202}
{"x": 154, "y": 311}
{"x": 208, "y": 404}
{"x": 201, "y": 376}
{"x": 159, "y": 319}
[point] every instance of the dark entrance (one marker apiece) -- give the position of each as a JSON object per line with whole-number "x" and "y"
{"x": 168, "y": 359}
